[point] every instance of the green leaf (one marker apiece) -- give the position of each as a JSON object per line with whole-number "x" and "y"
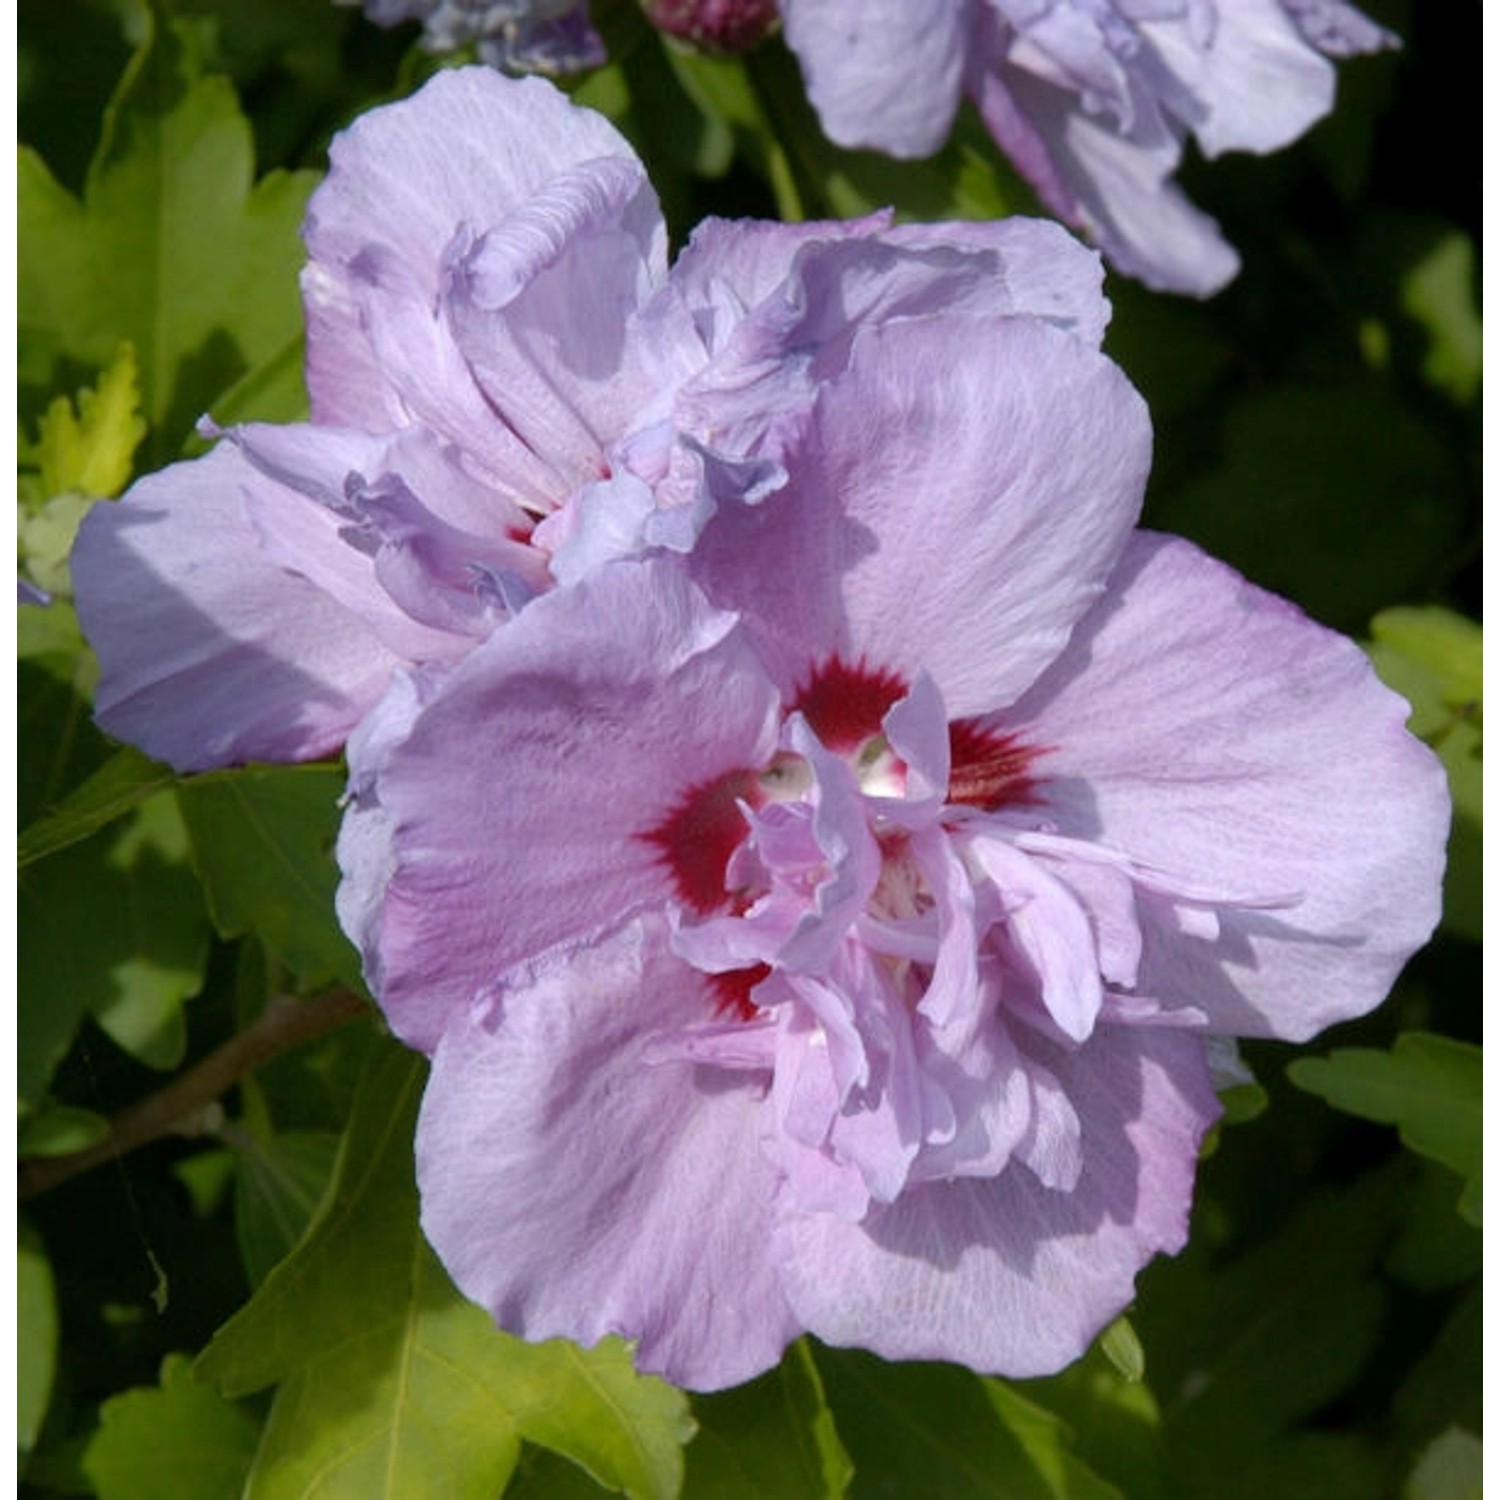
{"x": 36, "y": 1336}
{"x": 45, "y": 539}
{"x": 1434, "y": 659}
{"x": 173, "y": 248}
{"x": 1448, "y": 645}
{"x": 263, "y": 842}
{"x": 114, "y": 925}
{"x": 90, "y": 450}
{"x": 1246, "y": 1352}
{"x": 176, "y": 1441}
{"x": 773, "y": 1438}
{"x": 1430, "y": 1087}
{"x": 1371, "y": 493}
{"x": 927, "y": 1429}
{"x": 1435, "y": 1248}
{"x": 1451, "y": 1468}
{"x": 1444, "y": 1385}
{"x": 279, "y": 1183}
{"x": 393, "y": 1384}
{"x": 1115, "y": 1421}
{"x": 1439, "y": 293}
{"x": 59, "y": 1130}
{"x": 1121, "y": 1346}
{"x": 119, "y": 786}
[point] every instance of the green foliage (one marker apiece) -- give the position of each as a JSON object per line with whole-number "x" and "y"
{"x": 172, "y": 248}
{"x": 114, "y": 927}
{"x": 58, "y": 1129}
{"x": 263, "y": 845}
{"x": 1452, "y": 1468}
{"x": 392, "y": 1384}
{"x": 36, "y": 1336}
{"x": 919, "y": 1429}
{"x": 1431, "y": 1087}
{"x": 1439, "y": 293}
{"x": 1250, "y": 1351}
{"x": 91, "y": 450}
{"x": 120, "y": 785}
{"x": 278, "y": 1185}
{"x": 175, "y": 1441}
{"x": 1363, "y": 483}
{"x": 773, "y": 1438}
{"x": 1115, "y": 1419}
{"x": 1434, "y": 658}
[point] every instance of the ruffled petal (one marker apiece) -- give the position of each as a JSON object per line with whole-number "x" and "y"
{"x": 541, "y": 304}
{"x": 211, "y": 652}
{"x": 577, "y": 1188}
{"x": 1211, "y": 730}
{"x": 1002, "y": 1273}
{"x": 1116, "y": 187}
{"x": 468, "y": 150}
{"x": 1258, "y": 83}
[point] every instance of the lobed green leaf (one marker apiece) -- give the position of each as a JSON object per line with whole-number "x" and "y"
{"x": 176, "y": 1441}
{"x": 391, "y": 1383}
{"x": 172, "y": 248}
{"x": 1429, "y": 1086}
{"x": 262, "y": 840}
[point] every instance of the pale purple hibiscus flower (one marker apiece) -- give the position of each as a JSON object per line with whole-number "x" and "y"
{"x": 830, "y": 929}
{"x": 1091, "y": 99}
{"x": 520, "y": 36}
{"x": 496, "y": 349}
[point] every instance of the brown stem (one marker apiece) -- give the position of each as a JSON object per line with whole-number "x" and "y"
{"x": 285, "y": 1023}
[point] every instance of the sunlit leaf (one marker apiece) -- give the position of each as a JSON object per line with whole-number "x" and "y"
{"x": 173, "y": 247}
{"x": 773, "y": 1438}
{"x": 1452, "y": 1468}
{"x": 1121, "y": 1346}
{"x": 1439, "y": 293}
{"x": 91, "y": 449}
{"x": 1449, "y": 646}
{"x": 1429, "y": 1086}
{"x": 45, "y": 540}
{"x": 36, "y": 1336}
{"x": 1434, "y": 659}
{"x": 263, "y": 842}
{"x": 392, "y": 1384}
{"x": 176, "y": 1441}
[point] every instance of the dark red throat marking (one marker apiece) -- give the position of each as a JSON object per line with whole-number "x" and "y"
{"x": 990, "y": 769}
{"x": 732, "y": 991}
{"x": 844, "y": 704}
{"x": 698, "y": 836}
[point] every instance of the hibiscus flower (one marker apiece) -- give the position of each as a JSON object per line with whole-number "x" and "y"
{"x": 832, "y": 928}
{"x": 496, "y": 349}
{"x": 1092, "y": 100}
